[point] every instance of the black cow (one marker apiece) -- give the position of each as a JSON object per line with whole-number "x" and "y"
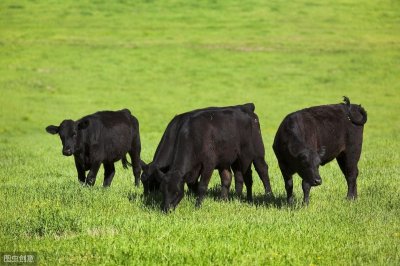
{"x": 214, "y": 139}
{"x": 165, "y": 151}
{"x": 315, "y": 136}
{"x": 101, "y": 138}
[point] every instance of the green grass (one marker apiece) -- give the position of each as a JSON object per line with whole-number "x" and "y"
{"x": 66, "y": 59}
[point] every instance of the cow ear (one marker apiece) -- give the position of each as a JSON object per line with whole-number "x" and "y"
{"x": 52, "y": 129}
{"x": 83, "y": 124}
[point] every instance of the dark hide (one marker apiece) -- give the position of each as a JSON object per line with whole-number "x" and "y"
{"x": 101, "y": 138}
{"x": 164, "y": 155}
{"x": 214, "y": 139}
{"x": 315, "y": 136}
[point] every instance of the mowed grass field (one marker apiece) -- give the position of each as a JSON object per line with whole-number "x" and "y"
{"x": 66, "y": 59}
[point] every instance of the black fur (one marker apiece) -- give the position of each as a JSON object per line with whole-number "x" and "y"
{"x": 215, "y": 138}
{"x": 315, "y": 136}
{"x": 101, "y": 138}
{"x": 164, "y": 155}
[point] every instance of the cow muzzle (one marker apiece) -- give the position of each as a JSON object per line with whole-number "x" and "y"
{"x": 316, "y": 182}
{"x": 67, "y": 152}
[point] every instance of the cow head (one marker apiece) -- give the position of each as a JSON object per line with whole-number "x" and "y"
{"x": 149, "y": 178}
{"x": 68, "y": 131}
{"x": 308, "y": 164}
{"x": 172, "y": 187}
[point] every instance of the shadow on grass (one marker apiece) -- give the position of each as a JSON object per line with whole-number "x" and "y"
{"x": 215, "y": 193}
{"x": 259, "y": 200}
{"x": 153, "y": 201}
{"x": 278, "y": 202}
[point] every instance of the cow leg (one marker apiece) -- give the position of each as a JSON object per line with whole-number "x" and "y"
{"x": 180, "y": 195}
{"x": 81, "y": 172}
{"x": 287, "y": 177}
{"x": 136, "y": 168}
{"x": 238, "y": 183}
{"x": 306, "y": 191}
{"x": 206, "y": 174}
{"x": 91, "y": 177}
{"x": 289, "y": 188}
{"x": 226, "y": 179}
{"x": 350, "y": 170}
{"x": 262, "y": 169}
{"x": 193, "y": 187}
{"x": 248, "y": 181}
{"x": 109, "y": 171}
{"x": 192, "y": 180}
{"x": 352, "y": 183}
{"x": 238, "y": 179}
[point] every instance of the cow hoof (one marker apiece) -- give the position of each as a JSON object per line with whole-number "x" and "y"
{"x": 269, "y": 195}
{"x": 352, "y": 197}
{"x": 198, "y": 204}
{"x": 224, "y": 197}
{"x": 239, "y": 194}
{"x": 290, "y": 200}
{"x": 165, "y": 209}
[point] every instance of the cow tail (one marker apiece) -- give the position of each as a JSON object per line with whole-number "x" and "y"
{"x": 125, "y": 162}
{"x": 361, "y": 110}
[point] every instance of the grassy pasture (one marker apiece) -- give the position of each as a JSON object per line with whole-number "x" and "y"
{"x": 66, "y": 59}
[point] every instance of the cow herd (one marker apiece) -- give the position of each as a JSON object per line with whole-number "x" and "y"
{"x": 228, "y": 139}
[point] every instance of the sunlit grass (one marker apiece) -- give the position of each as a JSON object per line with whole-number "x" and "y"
{"x": 65, "y": 60}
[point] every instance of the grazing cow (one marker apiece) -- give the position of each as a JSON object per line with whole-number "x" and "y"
{"x": 315, "y": 136}
{"x": 214, "y": 139}
{"x": 101, "y": 138}
{"x": 165, "y": 151}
